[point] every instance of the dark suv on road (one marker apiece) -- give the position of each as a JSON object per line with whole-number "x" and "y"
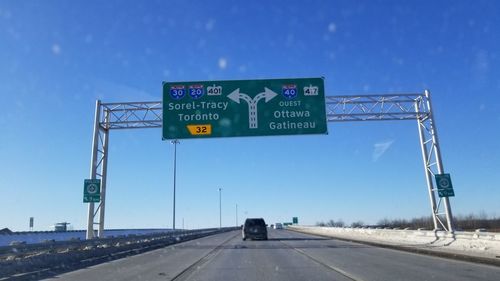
{"x": 255, "y": 228}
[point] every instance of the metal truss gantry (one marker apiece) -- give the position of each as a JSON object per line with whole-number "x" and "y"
{"x": 130, "y": 115}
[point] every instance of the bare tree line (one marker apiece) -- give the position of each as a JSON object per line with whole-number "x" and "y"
{"x": 462, "y": 222}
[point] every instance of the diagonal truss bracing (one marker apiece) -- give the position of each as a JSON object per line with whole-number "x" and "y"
{"x": 371, "y": 107}
{"x": 130, "y": 115}
{"x": 339, "y": 108}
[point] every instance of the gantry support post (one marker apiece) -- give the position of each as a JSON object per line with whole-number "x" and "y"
{"x": 431, "y": 154}
{"x": 93, "y": 167}
{"x": 104, "y": 172}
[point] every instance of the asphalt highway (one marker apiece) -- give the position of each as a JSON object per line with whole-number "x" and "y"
{"x": 285, "y": 256}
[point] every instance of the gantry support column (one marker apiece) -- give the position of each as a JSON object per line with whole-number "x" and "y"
{"x": 98, "y": 169}
{"x": 433, "y": 164}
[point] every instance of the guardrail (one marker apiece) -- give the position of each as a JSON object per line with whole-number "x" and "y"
{"x": 63, "y": 255}
{"x": 32, "y": 237}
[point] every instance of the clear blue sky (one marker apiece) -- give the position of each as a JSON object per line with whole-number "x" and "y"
{"x": 58, "y": 57}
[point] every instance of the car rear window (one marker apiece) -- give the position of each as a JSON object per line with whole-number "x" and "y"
{"x": 255, "y": 222}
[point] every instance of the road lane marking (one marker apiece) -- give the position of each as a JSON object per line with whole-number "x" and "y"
{"x": 186, "y": 273}
{"x": 333, "y": 268}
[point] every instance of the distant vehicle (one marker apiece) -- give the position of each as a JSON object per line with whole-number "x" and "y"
{"x": 254, "y": 228}
{"x": 278, "y": 225}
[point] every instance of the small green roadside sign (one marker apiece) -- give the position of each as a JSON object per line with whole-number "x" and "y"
{"x": 91, "y": 190}
{"x": 295, "y": 220}
{"x": 444, "y": 185}
{"x": 208, "y": 109}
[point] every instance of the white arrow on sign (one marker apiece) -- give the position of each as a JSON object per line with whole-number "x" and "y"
{"x": 252, "y": 103}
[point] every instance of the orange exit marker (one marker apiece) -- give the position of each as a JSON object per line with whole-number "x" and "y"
{"x": 200, "y": 129}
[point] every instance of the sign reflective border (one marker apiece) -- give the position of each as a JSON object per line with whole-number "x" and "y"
{"x": 204, "y": 109}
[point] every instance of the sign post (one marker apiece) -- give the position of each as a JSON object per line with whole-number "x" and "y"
{"x": 207, "y": 109}
{"x": 91, "y": 190}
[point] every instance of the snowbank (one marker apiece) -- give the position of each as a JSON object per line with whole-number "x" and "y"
{"x": 484, "y": 245}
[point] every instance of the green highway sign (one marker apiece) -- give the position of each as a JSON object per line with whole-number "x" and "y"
{"x": 295, "y": 220}
{"x": 91, "y": 190}
{"x": 207, "y": 109}
{"x": 444, "y": 185}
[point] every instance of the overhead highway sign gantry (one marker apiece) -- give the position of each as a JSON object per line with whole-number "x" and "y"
{"x": 414, "y": 106}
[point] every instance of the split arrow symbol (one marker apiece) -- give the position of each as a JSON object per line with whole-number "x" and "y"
{"x": 252, "y": 103}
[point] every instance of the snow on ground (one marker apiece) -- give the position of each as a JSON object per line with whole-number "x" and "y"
{"x": 38, "y": 237}
{"x": 476, "y": 244}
